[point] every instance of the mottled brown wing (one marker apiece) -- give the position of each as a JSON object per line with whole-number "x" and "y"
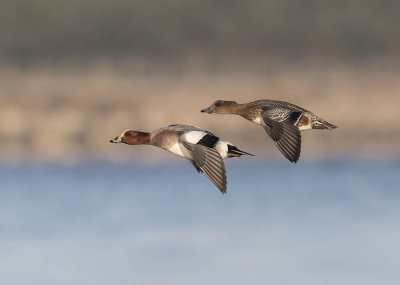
{"x": 286, "y": 136}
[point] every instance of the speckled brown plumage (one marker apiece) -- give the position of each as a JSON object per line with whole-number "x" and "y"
{"x": 281, "y": 120}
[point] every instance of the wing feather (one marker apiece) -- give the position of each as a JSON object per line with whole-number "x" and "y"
{"x": 286, "y": 136}
{"x": 210, "y": 162}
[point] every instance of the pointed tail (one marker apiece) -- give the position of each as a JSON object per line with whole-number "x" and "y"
{"x": 233, "y": 151}
{"x": 321, "y": 124}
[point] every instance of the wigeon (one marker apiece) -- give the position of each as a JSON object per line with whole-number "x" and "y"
{"x": 282, "y": 121}
{"x": 202, "y": 148}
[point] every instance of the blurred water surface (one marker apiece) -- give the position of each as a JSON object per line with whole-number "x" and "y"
{"x": 317, "y": 222}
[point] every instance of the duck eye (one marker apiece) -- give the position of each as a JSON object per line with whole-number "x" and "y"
{"x": 127, "y": 134}
{"x": 218, "y": 104}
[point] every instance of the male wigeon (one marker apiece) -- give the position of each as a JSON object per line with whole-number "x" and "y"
{"x": 282, "y": 121}
{"x": 202, "y": 148}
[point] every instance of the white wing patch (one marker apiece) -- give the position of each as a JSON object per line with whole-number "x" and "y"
{"x": 193, "y": 136}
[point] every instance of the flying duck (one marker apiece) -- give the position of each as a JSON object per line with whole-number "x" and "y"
{"x": 281, "y": 120}
{"x": 202, "y": 148}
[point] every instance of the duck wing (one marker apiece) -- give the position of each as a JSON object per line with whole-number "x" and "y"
{"x": 181, "y": 129}
{"x": 280, "y": 126}
{"x": 209, "y": 161}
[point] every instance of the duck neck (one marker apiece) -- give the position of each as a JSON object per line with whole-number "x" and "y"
{"x": 239, "y": 109}
{"x": 247, "y": 112}
{"x": 146, "y": 138}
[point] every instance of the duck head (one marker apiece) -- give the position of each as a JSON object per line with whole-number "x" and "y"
{"x": 221, "y": 107}
{"x": 132, "y": 137}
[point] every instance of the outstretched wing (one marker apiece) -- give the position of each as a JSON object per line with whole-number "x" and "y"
{"x": 280, "y": 126}
{"x": 209, "y": 161}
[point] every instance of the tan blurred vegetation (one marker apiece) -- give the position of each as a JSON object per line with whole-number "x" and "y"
{"x": 50, "y": 113}
{"x": 76, "y": 73}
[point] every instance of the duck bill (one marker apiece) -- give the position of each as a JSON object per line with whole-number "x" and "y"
{"x": 116, "y": 140}
{"x": 207, "y": 110}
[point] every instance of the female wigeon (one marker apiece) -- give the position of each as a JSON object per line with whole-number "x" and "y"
{"x": 202, "y": 148}
{"x": 281, "y": 120}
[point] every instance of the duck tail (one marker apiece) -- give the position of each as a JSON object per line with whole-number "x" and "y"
{"x": 321, "y": 124}
{"x": 233, "y": 151}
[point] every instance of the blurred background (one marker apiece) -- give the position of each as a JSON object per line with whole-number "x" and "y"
{"x": 74, "y": 208}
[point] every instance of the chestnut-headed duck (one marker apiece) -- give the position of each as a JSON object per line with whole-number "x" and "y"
{"x": 281, "y": 120}
{"x": 202, "y": 148}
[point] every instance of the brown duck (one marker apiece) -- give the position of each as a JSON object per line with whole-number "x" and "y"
{"x": 281, "y": 120}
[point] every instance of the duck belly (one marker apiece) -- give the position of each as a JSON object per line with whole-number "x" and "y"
{"x": 180, "y": 150}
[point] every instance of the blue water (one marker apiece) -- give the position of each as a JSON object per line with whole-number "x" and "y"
{"x": 320, "y": 222}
